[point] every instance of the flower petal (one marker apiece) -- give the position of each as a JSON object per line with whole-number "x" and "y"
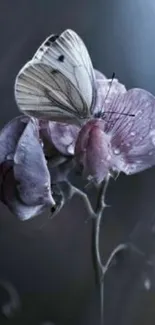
{"x": 93, "y": 150}
{"x": 9, "y": 195}
{"x": 30, "y": 169}
{"x": 63, "y": 136}
{"x": 10, "y": 135}
{"x": 133, "y": 137}
{"x": 107, "y": 90}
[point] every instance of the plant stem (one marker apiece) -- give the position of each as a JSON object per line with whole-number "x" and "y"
{"x": 101, "y": 268}
{"x": 99, "y": 211}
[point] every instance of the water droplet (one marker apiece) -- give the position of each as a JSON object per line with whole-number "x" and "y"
{"x": 152, "y": 135}
{"x": 70, "y": 149}
{"x": 89, "y": 177}
{"x": 128, "y": 144}
{"x": 139, "y": 112}
{"x": 147, "y": 284}
{"x": 47, "y": 187}
{"x": 108, "y": 158}
{"x": 41, "y": 143}
{"x": 117, "y": 151}
{"x": 132, "y": 133}
{"x": 153, "y": 140}
{"x": 150, "y": 153}
{"x": 9, "y": 156}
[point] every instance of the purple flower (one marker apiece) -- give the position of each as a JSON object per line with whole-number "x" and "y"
{"x": 122, "y": 140}
{"x": 25, "y": 183}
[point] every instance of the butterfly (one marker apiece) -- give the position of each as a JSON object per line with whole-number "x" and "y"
{"x": 59, "y": 82}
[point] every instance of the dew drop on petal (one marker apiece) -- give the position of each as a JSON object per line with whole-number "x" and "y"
{"x": 70, "y": 149}
{"x": 153, "y": 140}
{"x": 152, "y": 136}
{"x": 9, "y": 156}
{"x": 117, "y": 151}
{"x": 150, "y": 153}
{"x": 90, "y": 178}
{"x": 108, "y": 158}
{"x": 132, "y": 133}
{"x": 41, "y": 143}
{"x": 139, "y": 112}
{"x": 138, "y": 161}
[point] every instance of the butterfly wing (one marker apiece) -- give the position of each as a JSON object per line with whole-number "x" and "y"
{"x": 44, "y": 46}
{"x": 59, "y": 82}
{"x": 133, "y": 137}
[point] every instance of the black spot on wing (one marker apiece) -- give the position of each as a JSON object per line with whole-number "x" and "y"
{"x": 53, "y": 38}
{"x": 47, "y": 43}
{"x": 54, "y": 71}
{"x": 61, "y": 58}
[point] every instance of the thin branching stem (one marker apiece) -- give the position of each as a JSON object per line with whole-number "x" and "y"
{"x": 99, "y": 212}
{"x": 102, "y": 268}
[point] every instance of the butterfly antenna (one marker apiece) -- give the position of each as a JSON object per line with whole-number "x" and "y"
{"x": 111, "y": 81}
{"x": 100, "y": 114}
{"x": 125, "y": 114}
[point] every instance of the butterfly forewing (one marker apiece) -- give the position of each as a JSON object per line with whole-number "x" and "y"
{"x": 44, "y": 46}
{"x": 58, "y": 83}
{"x": 68, "y": 54}
{"x": 41, "y": 91}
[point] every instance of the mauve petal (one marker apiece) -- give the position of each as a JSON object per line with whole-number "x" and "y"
{"x": 10, "y": 135}
{"x": 106, "y": 92}
{"x": 30, "y": 169}
{"x": 93, "y": 150}
{"x": 9, "y": 195}
{"x": 45, "y": 136}
{"x": 62, "y": 136}
{"x": 133, "y": 134}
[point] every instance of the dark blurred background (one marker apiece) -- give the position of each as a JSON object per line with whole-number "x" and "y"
{"x": 51, "y": 267}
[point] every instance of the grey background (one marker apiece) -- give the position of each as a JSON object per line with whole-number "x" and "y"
{"x": 52, "y": 268}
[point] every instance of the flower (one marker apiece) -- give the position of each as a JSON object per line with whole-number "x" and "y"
{"x": 122, "y": 139}
{"x": 25, "y": 183}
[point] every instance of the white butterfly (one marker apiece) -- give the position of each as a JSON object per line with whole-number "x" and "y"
{"x": 59, "y": 82}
